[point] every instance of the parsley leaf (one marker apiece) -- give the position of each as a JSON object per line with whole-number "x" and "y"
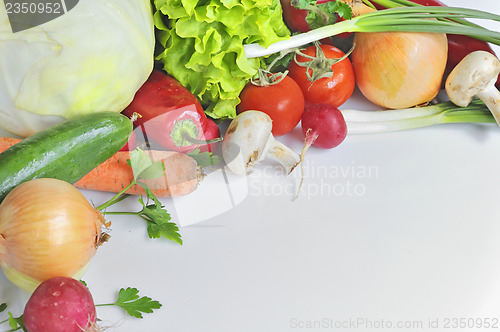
{"x": 143, "y": 167}
{"x": 343, "y": 10}
{"x": 319, "y": 15}
{"x": 129, "y": 300}
{"x": 3, "y": 306}
{"x": 205, "y": 159}
{"x": 158, "y": 219}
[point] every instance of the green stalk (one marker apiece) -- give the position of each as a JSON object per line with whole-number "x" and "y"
{"x": 117, "y": 198}
{"x": 372, "y": 122}
{"x": 406, "y": 3}
{"x": 402, "y": 19}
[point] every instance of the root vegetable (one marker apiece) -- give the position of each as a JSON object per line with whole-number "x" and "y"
{"x": 399, "y": 69}
{"x": 323, "y": 126}
{"x": 182, "y": 175}
{"x": 47, "y": 229}
{"x": 60, "y": 304}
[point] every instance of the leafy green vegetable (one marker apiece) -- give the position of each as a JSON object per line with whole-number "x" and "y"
{"x": 201, "y": 45}
{"x": 3, "y": 306}
{"x": 129, "y": 300}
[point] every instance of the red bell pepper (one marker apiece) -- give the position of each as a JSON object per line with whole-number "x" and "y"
{"x": 170, "y": 115}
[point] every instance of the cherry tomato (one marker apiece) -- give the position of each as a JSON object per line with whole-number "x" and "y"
{"x": 282, "y": 101}
{"x": 334, "y": 89}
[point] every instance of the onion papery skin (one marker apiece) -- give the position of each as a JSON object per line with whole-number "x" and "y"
{"x": 399, "y": 69}
{"x": 47, "y": 229}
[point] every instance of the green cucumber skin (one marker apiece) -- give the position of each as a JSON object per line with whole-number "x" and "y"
{"x": 66, "y": 151}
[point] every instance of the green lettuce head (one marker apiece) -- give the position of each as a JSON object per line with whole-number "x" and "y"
{"x": 201, "y": 45}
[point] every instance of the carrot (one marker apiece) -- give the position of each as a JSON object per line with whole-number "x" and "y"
{"x": 7, "y": 142}
{"x": 182, "y": 174}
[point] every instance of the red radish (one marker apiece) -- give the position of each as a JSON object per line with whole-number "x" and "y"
{"x": 60, "y": 304}
{"x": 324, "y": 127}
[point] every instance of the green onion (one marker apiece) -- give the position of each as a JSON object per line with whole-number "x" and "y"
{"x": 404, "y": 19}
{"x": 372, "y": 122}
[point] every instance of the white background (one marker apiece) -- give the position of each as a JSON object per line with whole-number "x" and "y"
{"x": 411, "y": 237}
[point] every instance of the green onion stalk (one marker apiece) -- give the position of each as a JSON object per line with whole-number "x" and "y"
{"x": 407, "y": 3}
{"x": 401, "y": 19}
{"x": 382, "y": 121}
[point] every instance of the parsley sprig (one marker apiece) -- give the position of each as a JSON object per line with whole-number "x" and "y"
{"x": 319, "y": 15}
{"x": 129, "y": 300}
{"x": 153, "y": 211}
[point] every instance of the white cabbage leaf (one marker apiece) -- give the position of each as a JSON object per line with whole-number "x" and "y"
{"x": 91, "y": 59}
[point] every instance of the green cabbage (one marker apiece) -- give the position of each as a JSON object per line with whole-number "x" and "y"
{"x": 93, "y": 58}
{"x": 201, "y": 45}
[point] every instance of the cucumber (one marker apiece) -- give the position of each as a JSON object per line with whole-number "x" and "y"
{"x": 66, "y": 151}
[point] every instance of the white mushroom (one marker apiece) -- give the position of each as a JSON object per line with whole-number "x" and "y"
{"x": 475, "y": 76}
{"x": 248, "y": 140}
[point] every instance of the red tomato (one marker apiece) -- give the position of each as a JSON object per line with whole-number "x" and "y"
{"x": 334, "y": 89}
{"x": 283, "y": 102}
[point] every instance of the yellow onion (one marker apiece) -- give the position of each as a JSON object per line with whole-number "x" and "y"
{"x": 47, "y": 229}
{"x": 399, "y": 69}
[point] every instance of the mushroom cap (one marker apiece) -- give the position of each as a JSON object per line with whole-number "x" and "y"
{"x": 474, "y": 73}
{"x": 246, "y": 141}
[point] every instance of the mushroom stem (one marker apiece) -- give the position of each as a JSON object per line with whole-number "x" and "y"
{"x": 475, "y": 76}
{"x": 491, "y": 98}
{"x": 283, "y": 154}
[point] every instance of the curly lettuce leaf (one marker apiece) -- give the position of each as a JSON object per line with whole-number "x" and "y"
{"x": 201, "y": 45}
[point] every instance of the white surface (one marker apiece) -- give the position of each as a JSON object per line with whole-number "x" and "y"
{"x": 390, "y": 229}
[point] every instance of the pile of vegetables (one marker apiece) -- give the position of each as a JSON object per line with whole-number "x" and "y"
{"x": 112, "y": 122}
